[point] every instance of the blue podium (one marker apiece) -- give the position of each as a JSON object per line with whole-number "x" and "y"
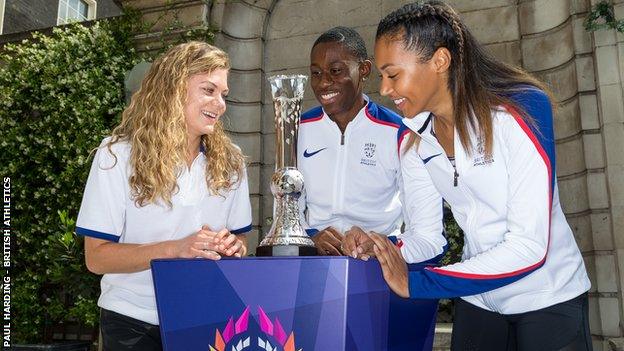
{"x": 286, "y": 303}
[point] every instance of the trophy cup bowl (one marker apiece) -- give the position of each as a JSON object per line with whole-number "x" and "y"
{"x": 286, "y": 236}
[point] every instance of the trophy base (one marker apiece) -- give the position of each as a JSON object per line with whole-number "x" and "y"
{"x": 285, "y": 250}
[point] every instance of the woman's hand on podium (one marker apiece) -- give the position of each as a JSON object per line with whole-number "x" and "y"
{"x": 328, "y": 242}
{"x": 201, "y": 244}
{"x": 357, "y": 244}
{"x": 229, "y": 244}
{"x": 392, "y": 264}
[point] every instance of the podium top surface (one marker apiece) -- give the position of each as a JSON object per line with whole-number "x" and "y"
{"x": 263, "y": 258}
{"x": 411, "y": 266}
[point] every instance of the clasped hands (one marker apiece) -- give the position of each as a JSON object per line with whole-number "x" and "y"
{"x": 355, "y": 243}
{"x": 210, "y": 244}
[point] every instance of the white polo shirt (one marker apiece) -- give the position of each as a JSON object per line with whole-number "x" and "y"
{"x": 108, "y": 212}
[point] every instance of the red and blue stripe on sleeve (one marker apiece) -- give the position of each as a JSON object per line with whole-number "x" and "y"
{"x": 443, "y": 283}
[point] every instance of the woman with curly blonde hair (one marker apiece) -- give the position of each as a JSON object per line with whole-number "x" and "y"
{"x": 168, "y": 183}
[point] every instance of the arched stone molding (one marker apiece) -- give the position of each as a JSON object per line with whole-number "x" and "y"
{"x": 556, "y": 47}
{"x": 548, "y": 49}
{"x": 241, "y": 25}
{"x": 542, "y": 15}
{"x": 608, "y": 56}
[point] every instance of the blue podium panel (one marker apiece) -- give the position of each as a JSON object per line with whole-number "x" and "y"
{"x": 411, "y": 321}
{"x": 285, "y": 303}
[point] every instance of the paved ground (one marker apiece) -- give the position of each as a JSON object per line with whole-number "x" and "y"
{"x": 442, "y": 340}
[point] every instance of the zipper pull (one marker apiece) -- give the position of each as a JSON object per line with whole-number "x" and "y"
{"x": 455, "y": 176}
{"x": 342, "y": 139}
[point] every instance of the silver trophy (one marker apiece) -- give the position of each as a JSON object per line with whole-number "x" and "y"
{"x": 286, "y": 236}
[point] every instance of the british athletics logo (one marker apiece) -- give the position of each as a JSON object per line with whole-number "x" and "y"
{"x": 369, "y": 152}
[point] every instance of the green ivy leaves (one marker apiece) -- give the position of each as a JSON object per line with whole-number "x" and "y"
{"x": 62, "y": 94}
{"x": 603, "y": 17}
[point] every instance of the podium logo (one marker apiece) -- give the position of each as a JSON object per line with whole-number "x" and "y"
{"x": 235, "y": 335}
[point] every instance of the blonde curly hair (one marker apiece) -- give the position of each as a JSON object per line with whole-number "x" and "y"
{"x": 155, "y": 127}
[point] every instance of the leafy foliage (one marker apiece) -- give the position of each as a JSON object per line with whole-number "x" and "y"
{"x": 62, "y": 93}
{"x": 172, "y": 31}
{"x": 602, "y": 17}
{"x": 455, "y": 240}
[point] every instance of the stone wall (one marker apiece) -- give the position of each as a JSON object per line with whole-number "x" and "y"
{"x": 546, "y": 37}
{"x": 23, "y": 15}
{"x": 605, "y": 160}
{"x": 27, "y": 15}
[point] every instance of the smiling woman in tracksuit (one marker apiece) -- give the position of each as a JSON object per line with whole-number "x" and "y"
{"x": 348, "y": 152}
{"x": 482, "y": 137}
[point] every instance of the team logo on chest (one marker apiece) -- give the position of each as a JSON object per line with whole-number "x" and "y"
{"x": 368, "y": 154}
{"x": 479, "y": 158}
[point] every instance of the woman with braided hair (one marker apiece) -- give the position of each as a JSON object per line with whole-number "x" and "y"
{"x": 482, "y": 137}
{"x": 168, "y": 183}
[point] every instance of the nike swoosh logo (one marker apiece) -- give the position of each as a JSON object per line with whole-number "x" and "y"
{"x": 310, "y": 154}
{"x": 425, "y": 160}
